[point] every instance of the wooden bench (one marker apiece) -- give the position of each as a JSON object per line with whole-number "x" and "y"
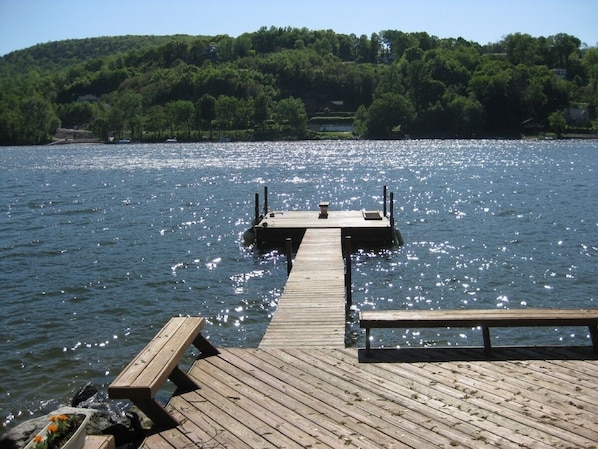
{"x": 479, "y": 318}
{"x": 142, "y": 378}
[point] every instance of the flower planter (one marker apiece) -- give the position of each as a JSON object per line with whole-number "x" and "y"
{"x": 75, "y": 441}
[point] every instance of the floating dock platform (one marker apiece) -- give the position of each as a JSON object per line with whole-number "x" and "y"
{"x": 365, "y": 227}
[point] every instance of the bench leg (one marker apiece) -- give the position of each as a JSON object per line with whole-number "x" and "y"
{"x": 594, "y": 335}
{"x": 368, "y": 344}
{"x": 156, "y": 413}
{"x": 183, "y": 382}
{"x": 204, "y": 346}
{"x": 487, "y": 344}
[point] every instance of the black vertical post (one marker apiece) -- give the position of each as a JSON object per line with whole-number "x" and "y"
{"x": 265, "y": 200}
{"x": 257, "y": 209}
{"x": 384, "y": 195}
{"x": 392, "y": 210}
{"x": 348, "y": 280}
{"x": 289, "y": 250}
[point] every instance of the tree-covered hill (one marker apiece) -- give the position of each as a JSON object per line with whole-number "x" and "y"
{"x": 280, "y": 83}
{"x": 56, "y": 55}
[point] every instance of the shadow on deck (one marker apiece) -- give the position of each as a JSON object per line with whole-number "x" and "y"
{"x": 472, "y": 354}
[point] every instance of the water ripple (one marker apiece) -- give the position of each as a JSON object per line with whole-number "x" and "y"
{"x": 102, "y": 244}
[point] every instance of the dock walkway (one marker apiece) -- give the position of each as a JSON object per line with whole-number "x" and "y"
{"x": 311, "y": 310}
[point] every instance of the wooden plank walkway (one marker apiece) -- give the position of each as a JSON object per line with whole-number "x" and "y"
{"x": 408, "y": 398}
{"x": 311, "y": 310}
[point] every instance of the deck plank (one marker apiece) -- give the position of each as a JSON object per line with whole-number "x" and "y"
{"x": 467, "y": 387}
{"x": 253, "y": 393}
{"x": 406, "y": 404}
{"x": 330, "y": 383}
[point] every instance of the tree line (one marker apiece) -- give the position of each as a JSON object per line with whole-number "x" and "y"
{"x": 276, "y": 82}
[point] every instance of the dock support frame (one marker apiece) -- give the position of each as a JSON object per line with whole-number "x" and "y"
{"x": 384, "y": 200}
{"x": 289, "y": 253}
{"x": 348, "y": 276}
{"x": 265, "y": 200}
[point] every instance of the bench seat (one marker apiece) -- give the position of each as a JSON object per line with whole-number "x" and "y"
{"x": 141, "y": 379}
{"x": 484, "y": 318}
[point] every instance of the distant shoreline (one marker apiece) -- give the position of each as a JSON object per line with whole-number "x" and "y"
{"x": 568, "y": 136}
{"x": 72, "y": 141}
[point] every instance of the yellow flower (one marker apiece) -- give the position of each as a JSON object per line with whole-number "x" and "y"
{"x": 38, "y": 438}
{"x": 52, "y": 428}
{"x": 53, "y": 418}
{"x": 63, "y": 418}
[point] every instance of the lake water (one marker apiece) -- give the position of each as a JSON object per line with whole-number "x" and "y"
{"x": 102, "y": 244}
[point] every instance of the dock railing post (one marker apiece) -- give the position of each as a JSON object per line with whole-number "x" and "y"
{"x": 256, "y": 220}
{"x": 265, "y": 200}
{"x": 289, "y": 251}
{"x": 348, "y": 280}
{"x": 392, "y": 210}
{"x": 384, "y": 195}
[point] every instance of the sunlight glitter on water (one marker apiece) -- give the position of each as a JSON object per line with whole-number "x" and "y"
{"x": 119, "y": 239}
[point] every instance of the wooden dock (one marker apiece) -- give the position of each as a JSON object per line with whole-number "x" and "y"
{"x": 311, "y": 310}
{"x": 301, "y": 388}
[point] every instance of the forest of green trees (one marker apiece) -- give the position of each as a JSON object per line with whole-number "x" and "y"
{"x": 291, "y": 83}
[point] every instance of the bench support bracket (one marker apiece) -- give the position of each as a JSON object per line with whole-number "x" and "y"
{"x": 204, "y": 346}
{"x": 594, "y": 336}
{"x": 183, "y": 382}
{"x": 487, "y": 344}
{"x": 155, "y": 412}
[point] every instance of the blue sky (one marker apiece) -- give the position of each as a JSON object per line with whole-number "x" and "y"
{"x": 24, "y": 23}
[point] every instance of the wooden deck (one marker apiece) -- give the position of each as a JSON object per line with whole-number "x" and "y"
{"x": 311, "y": 310}
{"x": 303, "y": 389}
{"x": 417, "y": 398}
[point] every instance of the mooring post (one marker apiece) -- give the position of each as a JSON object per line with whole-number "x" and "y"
{"x": 265, "y": 200}
{"x": 324, "y": 209}
{"x": 289, "y": 250}
{"x": 392, "y": 210}
{"x": 256, "y": 220}
{"x": 348, "y": 280}
{"x": 384, "y": 195}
